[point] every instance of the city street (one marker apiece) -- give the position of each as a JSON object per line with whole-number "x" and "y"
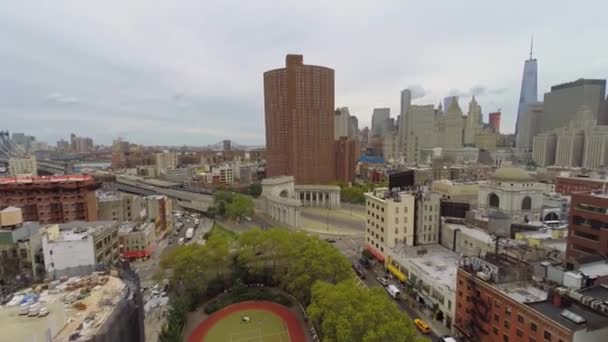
{"x": 351, "y": 247}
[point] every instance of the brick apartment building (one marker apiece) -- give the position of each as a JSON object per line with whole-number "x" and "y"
{"x": 497, "y": 302}
{"x": 299, "y": 112}
{"x": 347, "y": 153}
{"x": 588, "y": 227}
{"x": 569, "y": 185}
{"x": 51, "y": 199}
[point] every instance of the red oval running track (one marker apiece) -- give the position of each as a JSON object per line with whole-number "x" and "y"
{"x": 296, "y": 333}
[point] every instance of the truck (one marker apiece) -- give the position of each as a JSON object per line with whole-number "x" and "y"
{"x": 393, "y": 291}
{"x": 189, "y": 233}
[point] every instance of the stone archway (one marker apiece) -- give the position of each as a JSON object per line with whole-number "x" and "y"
{"x": 526, "y": 203}
{"x": 551, "y": 216}
{"x": 493, "y": 201}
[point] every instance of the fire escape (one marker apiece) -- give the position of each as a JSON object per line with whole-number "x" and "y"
{"x": 479, "y": 313}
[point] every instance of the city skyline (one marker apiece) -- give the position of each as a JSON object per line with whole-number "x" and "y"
{"x": 175, "y": 76}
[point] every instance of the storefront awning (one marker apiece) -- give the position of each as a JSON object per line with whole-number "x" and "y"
{"x": 398, "y": 274}
{"x": 374, "y": 252}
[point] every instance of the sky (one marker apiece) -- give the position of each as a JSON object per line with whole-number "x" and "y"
{"x": 189, "y": 72}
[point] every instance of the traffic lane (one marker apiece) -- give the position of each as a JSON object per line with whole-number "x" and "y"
{"x": 371, "y": 281}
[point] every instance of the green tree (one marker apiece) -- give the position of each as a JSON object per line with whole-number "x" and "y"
{"x": 240, "y": 206}
{"x": 346, "y": 312}
{"x": 255, "y": 189}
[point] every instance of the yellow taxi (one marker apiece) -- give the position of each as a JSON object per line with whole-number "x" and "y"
{"x": 422, "y": 325}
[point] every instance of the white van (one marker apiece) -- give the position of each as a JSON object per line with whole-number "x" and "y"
{"x": 393, "y": 291}
{"x": 180, "y": 241}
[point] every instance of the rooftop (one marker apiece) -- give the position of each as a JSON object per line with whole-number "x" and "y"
{"x": 597, "y": 269}
{"x": 64, "y": 319}
{"x": 45, "y": 179}
{"x": 523, "y": 292}
{"x": 593, "y": 320}
{"x": 437, "y": 262}
{"x": 78, "y": 230}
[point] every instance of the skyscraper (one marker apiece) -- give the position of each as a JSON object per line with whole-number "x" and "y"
{"x": 406, "y": 101}
{"x": 299, "y": 111}
{"x": 379, "y": 121}
{"x": 529, "y": 88}
{"x": 494, "y": 119}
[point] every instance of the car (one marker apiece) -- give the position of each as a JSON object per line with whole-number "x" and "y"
{"x": 43, "y": 312}
{"x": 330, "y": 240}
{"x": 247, "y": 218}
{"x": 175, "y": 233}
{"x": 447, "y": 339}
{"x": 365, "y": 263}
{"x": 180, "y": 241}
{"x": 422, "y": 326}
{"x": 359, "y": 271}
{"x": 382, "y": 281}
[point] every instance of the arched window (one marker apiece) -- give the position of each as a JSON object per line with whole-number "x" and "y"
{"x": 493, "y": 200}
{"x": 526, "y": 203}
{"x": 284, "y": 193}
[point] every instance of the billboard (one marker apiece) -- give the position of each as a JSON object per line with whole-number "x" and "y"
{"x": 401, "y": 180}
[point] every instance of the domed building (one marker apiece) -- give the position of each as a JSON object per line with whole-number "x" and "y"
{"x": 514, "y": 192}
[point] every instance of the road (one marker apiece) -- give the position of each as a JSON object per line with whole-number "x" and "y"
{"x": 351, "y": 248}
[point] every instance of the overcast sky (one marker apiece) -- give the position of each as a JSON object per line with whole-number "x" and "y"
{"x": 190, "y": 72}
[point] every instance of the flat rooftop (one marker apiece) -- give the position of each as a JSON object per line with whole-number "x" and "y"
{"x": 45, "y": 179}
{"x": 63, "y": 320}
{"x": 593, "y": 320}
{"x": 595, "y": 269}
{"x": 523, "y": 292}
{"x": 436, "y": 261}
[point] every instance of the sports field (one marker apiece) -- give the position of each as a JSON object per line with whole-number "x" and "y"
{"x": 251, "y": 321}
{"x": 260, "y": 326}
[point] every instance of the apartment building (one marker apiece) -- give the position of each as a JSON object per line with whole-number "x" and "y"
{"x": 390, "y": 220}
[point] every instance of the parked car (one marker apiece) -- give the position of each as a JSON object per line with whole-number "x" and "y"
{"x": 330, "y": 240}
{"x": 359, "y": 271}
{"x": 382, "y": 281}
{"x": 43, "y": 312}
{"x": 447, "y": 339}
{"x": 422, "y": 326}
{"x": 365, "y": 263}
{"x": 180, "y": 241}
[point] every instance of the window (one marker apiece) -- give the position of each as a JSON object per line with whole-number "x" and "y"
{"x": 520, "y": 333}
{"x": 547, "y": 335}
{"x": 493, "y": 200}
{"x": 495, "y": 331}
{"x": 396, "y": 220}
{"x": 505, "y": 338}
{"x": 526, "y": 203}
{"x": 520, "y": 318}
{"x": 507, "y": 311}
{"x": 507, "y": 324}
{"x": 396, "y": 210}
{"x": 532, "y": 339}
{"x": 496, "y": 318}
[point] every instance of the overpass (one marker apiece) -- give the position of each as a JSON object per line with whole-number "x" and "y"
{"x": 186, "y": 199}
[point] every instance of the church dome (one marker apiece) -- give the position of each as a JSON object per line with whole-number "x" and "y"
{"x": 511, "y": 174}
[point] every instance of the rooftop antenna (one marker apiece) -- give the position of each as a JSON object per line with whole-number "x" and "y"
{"x": 531, "y": 45}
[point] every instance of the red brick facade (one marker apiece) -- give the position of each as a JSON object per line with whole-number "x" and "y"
{"x": 52, "y": 199}
{"x": 485, "y": 314}
{"x": 299, "y": 112}
{"x": 588, "y": 227}
{"x": 570, "y": 185}
{"x": 347, "y": 153}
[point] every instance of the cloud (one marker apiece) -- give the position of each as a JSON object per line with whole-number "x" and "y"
{"x": 417, "y": 91}
{"x": 61, "y": 98}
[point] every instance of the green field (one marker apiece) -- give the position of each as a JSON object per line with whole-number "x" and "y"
{"x": 263, "y": 326}
{"x": 218, "y": 229}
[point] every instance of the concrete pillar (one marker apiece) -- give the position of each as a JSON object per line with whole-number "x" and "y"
{"x": 316, "y": 199}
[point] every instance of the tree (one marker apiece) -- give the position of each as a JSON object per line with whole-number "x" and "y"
{"x": 255, "y": 189}
{"x": 347, "y": 312}
{"x": 240, "y": 206}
